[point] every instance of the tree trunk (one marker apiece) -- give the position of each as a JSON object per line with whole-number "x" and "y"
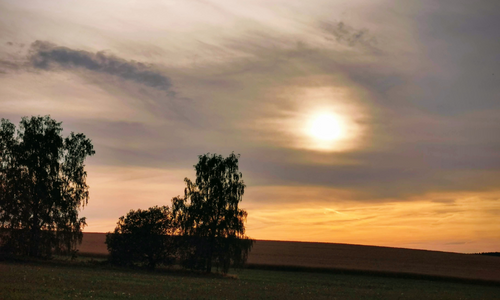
{"x": 209, "y": 255}
{"x": 209, "y": 263}
{"x": 152, "y": 264}
{"x": 35, "y": 237}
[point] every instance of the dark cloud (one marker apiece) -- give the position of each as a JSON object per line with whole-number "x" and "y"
{"x": 14, "y": 44}
{"x": 347, "y": 35}
{"x": 377, "y": 176}
{"x": 46, "y": 56}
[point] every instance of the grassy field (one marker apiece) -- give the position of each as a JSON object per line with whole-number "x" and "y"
{"x": 354, "y": 257}
{"x": 52, "y": 280}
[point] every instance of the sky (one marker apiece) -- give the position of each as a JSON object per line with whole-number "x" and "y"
{"x": 361, "y": 122}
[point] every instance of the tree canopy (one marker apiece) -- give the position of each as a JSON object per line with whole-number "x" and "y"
{"x": 43, "y": 186}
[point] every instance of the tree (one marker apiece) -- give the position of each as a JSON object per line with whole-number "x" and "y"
{"x": 143, "y": 236}
{"x": 212, "y": 223}
{"x": 43, "y": 186}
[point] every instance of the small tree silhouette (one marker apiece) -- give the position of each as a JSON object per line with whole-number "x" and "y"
{"x": 144, "y": 237}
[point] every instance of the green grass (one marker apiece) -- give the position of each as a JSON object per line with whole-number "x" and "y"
{"x": 65, "y": 280}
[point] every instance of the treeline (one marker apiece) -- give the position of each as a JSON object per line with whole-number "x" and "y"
{"x": 156, "y": 237}
{"x": 202, "y": 229}
{"x": 43, "y": 187}
{"x": 489, "y": 253}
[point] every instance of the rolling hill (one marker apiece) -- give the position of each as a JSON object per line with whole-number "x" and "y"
{"x": 353, "y": 258}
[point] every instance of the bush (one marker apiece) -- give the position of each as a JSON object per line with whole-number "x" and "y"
{"x": 143, "y": 237}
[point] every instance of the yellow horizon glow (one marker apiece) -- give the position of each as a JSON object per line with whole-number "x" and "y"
{"x": 445, "y": 221}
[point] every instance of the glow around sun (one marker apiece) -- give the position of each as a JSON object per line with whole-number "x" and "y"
{"x": 318, "y": 119}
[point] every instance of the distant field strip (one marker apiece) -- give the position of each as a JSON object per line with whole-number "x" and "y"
{"x": 354, "y": 258}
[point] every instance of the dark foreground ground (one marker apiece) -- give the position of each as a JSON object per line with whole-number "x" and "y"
{"x": 65, "y": 280}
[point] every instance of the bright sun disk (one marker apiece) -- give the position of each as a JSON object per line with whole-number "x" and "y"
{"x": 326, "y": 127}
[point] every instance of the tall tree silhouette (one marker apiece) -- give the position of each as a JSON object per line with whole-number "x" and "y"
{"x": 43, "y": 185}
{"x": 211, "y": 220}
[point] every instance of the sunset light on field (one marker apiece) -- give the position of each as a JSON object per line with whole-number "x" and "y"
{"x": 362, "y": 122}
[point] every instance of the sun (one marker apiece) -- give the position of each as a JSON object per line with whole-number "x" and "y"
{"x": 326, "y": 127}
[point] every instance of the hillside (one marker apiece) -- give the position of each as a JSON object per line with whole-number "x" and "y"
{"x": 354, "y": 257}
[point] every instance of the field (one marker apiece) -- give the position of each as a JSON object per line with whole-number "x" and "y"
{"x": 56, "y": 280}
{"x": 276, "y": 270}
{"x": 355, "y": 258}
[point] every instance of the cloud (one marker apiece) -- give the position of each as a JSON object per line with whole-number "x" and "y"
{"x": 7, "y": 65}
{"x": 406, "y": 151}
{"x": 347, "y": 35}
{"x": 234, "y": 86}
{"x": 46, "y": 56}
